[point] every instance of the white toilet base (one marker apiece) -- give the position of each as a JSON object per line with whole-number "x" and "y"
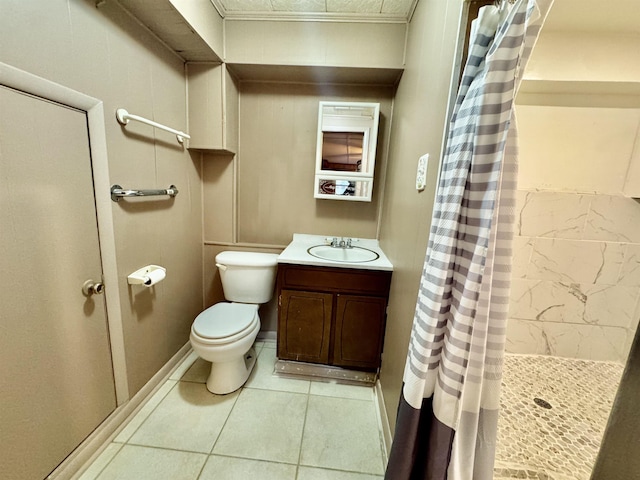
{"x": 227, "y": 377}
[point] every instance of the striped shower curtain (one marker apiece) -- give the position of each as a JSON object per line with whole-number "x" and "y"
{"x": 448, "y": 411}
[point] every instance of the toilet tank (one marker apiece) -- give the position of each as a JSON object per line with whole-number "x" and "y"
{"x": 247, "y": 277}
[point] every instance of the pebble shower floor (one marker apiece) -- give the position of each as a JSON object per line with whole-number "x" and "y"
{"x": 553, "y": 415}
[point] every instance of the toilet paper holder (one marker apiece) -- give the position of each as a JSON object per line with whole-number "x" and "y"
{"x": 147, "y": 276}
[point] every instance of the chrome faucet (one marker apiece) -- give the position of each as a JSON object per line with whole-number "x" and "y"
{"x": 342, "y": 243}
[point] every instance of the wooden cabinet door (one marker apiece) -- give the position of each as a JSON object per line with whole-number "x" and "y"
{"x": 304, "y": 326}
{"x": 359, "y": 331}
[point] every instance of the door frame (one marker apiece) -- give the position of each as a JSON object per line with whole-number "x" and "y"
{"x": 31, "y": 84}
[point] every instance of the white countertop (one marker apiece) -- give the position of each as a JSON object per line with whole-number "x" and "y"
{"x": 296, "y": 253}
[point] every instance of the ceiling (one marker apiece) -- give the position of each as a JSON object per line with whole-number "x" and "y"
{"x": 162, "y": 18}
{"x": 372, "y": 10}
{"x": 619, "y": 16}
{"x": 597, "y": 16}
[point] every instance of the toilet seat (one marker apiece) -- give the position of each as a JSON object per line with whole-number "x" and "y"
{"x": 225, "y": 323}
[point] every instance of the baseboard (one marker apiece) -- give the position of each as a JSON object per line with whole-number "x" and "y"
{"x": 267, "y": 335}
{"x": 80, "y": 459}
{"x": 383, "y": 418}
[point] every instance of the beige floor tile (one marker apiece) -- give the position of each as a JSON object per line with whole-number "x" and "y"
{"x": 101, "y": 462}
{"x": 198, "y": 372}
{"x": 342, "y": 434}
{"x": 264, "y": 425}
{"x": 142, "y": 463}
{"x": 144, "y": 412}
{"x": 309, "y": 473}
{"x": 189, "y": 418}
{"x": 262, "y": 376}
{"x": 184, "y": 366}
{"x": 229, "y": 468}
{"x": 334, "y": 389}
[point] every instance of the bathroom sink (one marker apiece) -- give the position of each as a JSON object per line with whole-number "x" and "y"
{"x": 339, "y": 254}
{"x": 316, "y": 250}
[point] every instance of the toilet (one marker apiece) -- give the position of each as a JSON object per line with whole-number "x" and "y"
{"x": 224, "y": 333}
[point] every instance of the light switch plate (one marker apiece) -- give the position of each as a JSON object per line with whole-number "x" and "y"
{"x": 421, "y": 174}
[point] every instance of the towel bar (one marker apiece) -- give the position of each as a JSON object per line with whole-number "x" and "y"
{"x": 123, "y": 118}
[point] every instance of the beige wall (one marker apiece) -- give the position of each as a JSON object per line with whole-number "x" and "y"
{"x": 584, "y": 56}
{"x": 259, "y": 198}
{"x": 576, "y": 149}
{"x": 104, "y": 53}
{"x": 213, "y": 107}
{"x": 264, "y": 195}
{"x": 315, "y": 43}
{"x": 276, "y": 164}
{"x": 418, "y": 123}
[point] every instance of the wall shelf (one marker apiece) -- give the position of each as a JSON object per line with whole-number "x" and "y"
{"x": 384, "y": 76}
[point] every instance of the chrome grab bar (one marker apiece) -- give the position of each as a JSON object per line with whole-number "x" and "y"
{"x": 117, "y": 192}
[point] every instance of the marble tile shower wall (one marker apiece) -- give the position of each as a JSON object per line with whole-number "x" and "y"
{"x": 576, "y": 275}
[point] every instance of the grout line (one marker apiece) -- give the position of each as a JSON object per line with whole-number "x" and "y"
{"x": 155, "y": 447}
{"x": 104, "y": 467}
{"x": 227, "y": 455}
{"x": 226, "y": 419}
{"x": 343, "y": 398}
{"x": 352, "y": 472}
{"x": 120, "y": 445}
{"x": 199, "y": 382}
{"x": 204, "y": 464}
{"x": 146, "y": 417}
{"x": 304, "y": 426}
{"x": 276, "y": 390}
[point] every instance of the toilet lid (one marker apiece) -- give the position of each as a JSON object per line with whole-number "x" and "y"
{"x": 224, "y": 319}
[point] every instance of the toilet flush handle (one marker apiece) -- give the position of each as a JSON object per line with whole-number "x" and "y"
{"x": 221, "y": 267}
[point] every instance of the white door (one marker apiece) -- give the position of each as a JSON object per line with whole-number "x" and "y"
{"x": 56, "y": 382}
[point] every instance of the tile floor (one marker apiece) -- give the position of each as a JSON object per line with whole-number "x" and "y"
{"x": 272, "y": 429}
{"x": 561, "y": 442}
{"x": 288, "y": 429}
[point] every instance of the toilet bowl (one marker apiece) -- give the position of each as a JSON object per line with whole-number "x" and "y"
{"x": 224, "y": 333}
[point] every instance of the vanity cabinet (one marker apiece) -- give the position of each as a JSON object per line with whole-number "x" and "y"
{"x": 332, "y": 316}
